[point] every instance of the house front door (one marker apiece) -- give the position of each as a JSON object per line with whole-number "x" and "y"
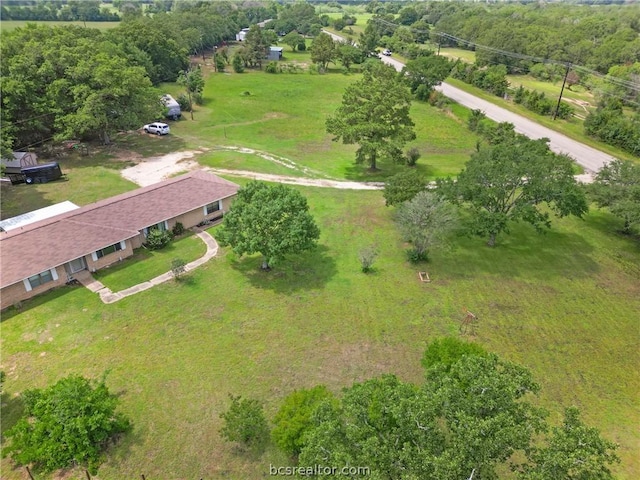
{"x": 77, "y": 265}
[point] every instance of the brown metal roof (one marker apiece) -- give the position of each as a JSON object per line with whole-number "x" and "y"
{"x": 54, "y": 241}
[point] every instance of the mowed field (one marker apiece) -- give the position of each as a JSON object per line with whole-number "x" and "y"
{"x": 564, "y": 304}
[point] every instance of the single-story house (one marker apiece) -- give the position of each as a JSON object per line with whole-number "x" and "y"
{"x": 275, "y": 53}
{"x": 37, "y": 215}
{"x": 39, "y": 256}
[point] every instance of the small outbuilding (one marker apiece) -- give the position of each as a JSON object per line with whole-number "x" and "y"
{"x": 19, "y": 161}
{"x": 275, "y": 53}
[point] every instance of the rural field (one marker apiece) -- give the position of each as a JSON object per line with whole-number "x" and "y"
{"x": 564, "y": 304}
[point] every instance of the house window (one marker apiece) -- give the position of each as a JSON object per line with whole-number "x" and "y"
{"x": 107, "y": 250}
{"x": 212, "y": 207}
{"x": 40, "y": 279}
{"x": 162, "y": 226}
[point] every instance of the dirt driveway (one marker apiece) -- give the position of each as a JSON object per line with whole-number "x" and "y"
{"x": 156, "y": 169}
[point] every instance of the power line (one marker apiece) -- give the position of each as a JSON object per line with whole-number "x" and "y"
{"x": 620, "y": 82}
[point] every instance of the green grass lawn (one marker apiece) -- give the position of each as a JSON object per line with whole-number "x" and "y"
{"x": 455, "y": 53}
{"x": 564, "y": 304}
{"x": 285, "y": 115}
{"x": 147, "y": 264}
{"x": 350, "y": 31}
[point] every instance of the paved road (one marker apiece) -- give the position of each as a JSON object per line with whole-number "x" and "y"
{"x": 588, "y": 157}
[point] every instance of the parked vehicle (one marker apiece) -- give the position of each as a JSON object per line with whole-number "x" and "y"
{"x": 387, "y": 52}
{"x": 173, "y": 107}
{"x": 157, "y": 127}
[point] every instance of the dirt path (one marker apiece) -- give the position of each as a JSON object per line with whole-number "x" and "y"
{"x": 156, "y": 169}
{"x": 309, "y": 182}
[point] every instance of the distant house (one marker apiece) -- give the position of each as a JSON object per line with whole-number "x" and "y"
{"x": 36, "y": 257}
{"x": 275, "y": 53}
{"x": 240, "y": 36}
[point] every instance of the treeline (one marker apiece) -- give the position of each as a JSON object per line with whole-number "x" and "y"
{"x": 72, "y": 10}
{"x": 597, "y": 38}
{"x": 73, "y": 82}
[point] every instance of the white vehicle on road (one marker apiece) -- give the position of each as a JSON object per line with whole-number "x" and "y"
{"x": 157, "y": 127}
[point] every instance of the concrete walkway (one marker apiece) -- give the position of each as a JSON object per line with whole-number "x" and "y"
{"x": 107, "y": 296}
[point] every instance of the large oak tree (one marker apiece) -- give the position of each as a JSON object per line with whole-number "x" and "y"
{"x": 273, "y": 220}
{"x": 375, "y": 115}
{"x": 510, "y": 182}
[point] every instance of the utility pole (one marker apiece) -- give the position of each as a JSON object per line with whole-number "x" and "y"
{"x": 564, "y": 81}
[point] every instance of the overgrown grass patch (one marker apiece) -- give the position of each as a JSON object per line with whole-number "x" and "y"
{"x": 563, "y": 304}
{"x": 146, "y": 264}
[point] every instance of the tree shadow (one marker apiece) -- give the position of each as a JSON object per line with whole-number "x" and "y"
{"x": 12, "y": 408}
{"x": 523, "y": 254}
{"x": 37, "y": 300}
{"x": 358, "y": 172}
{"x": 304, "y": 271}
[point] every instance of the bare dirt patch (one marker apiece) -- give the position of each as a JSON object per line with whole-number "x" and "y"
{"x": 155, "y": 169}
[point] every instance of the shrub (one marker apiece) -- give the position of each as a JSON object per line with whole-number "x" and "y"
{"x": 272, "y": 67}
{"x": 367, "y": 256}
{"x": 197, "y": 98}
{"x": 157, "y": 239}
{"x": 178, "y": 267}
{"x": 302, "y": 46}
{"x": 237, "y": 64}
{"x": 412, "y": 156}
{"x": 183, "y": 101}
{"x": 436, "y": 99}
{"x": 294, "y": 418}
{"x": 178, "y": 229}
{"x": 245, "y": 423}
{"x": 220, "y": 64}
{"x": 414, "y": 255}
